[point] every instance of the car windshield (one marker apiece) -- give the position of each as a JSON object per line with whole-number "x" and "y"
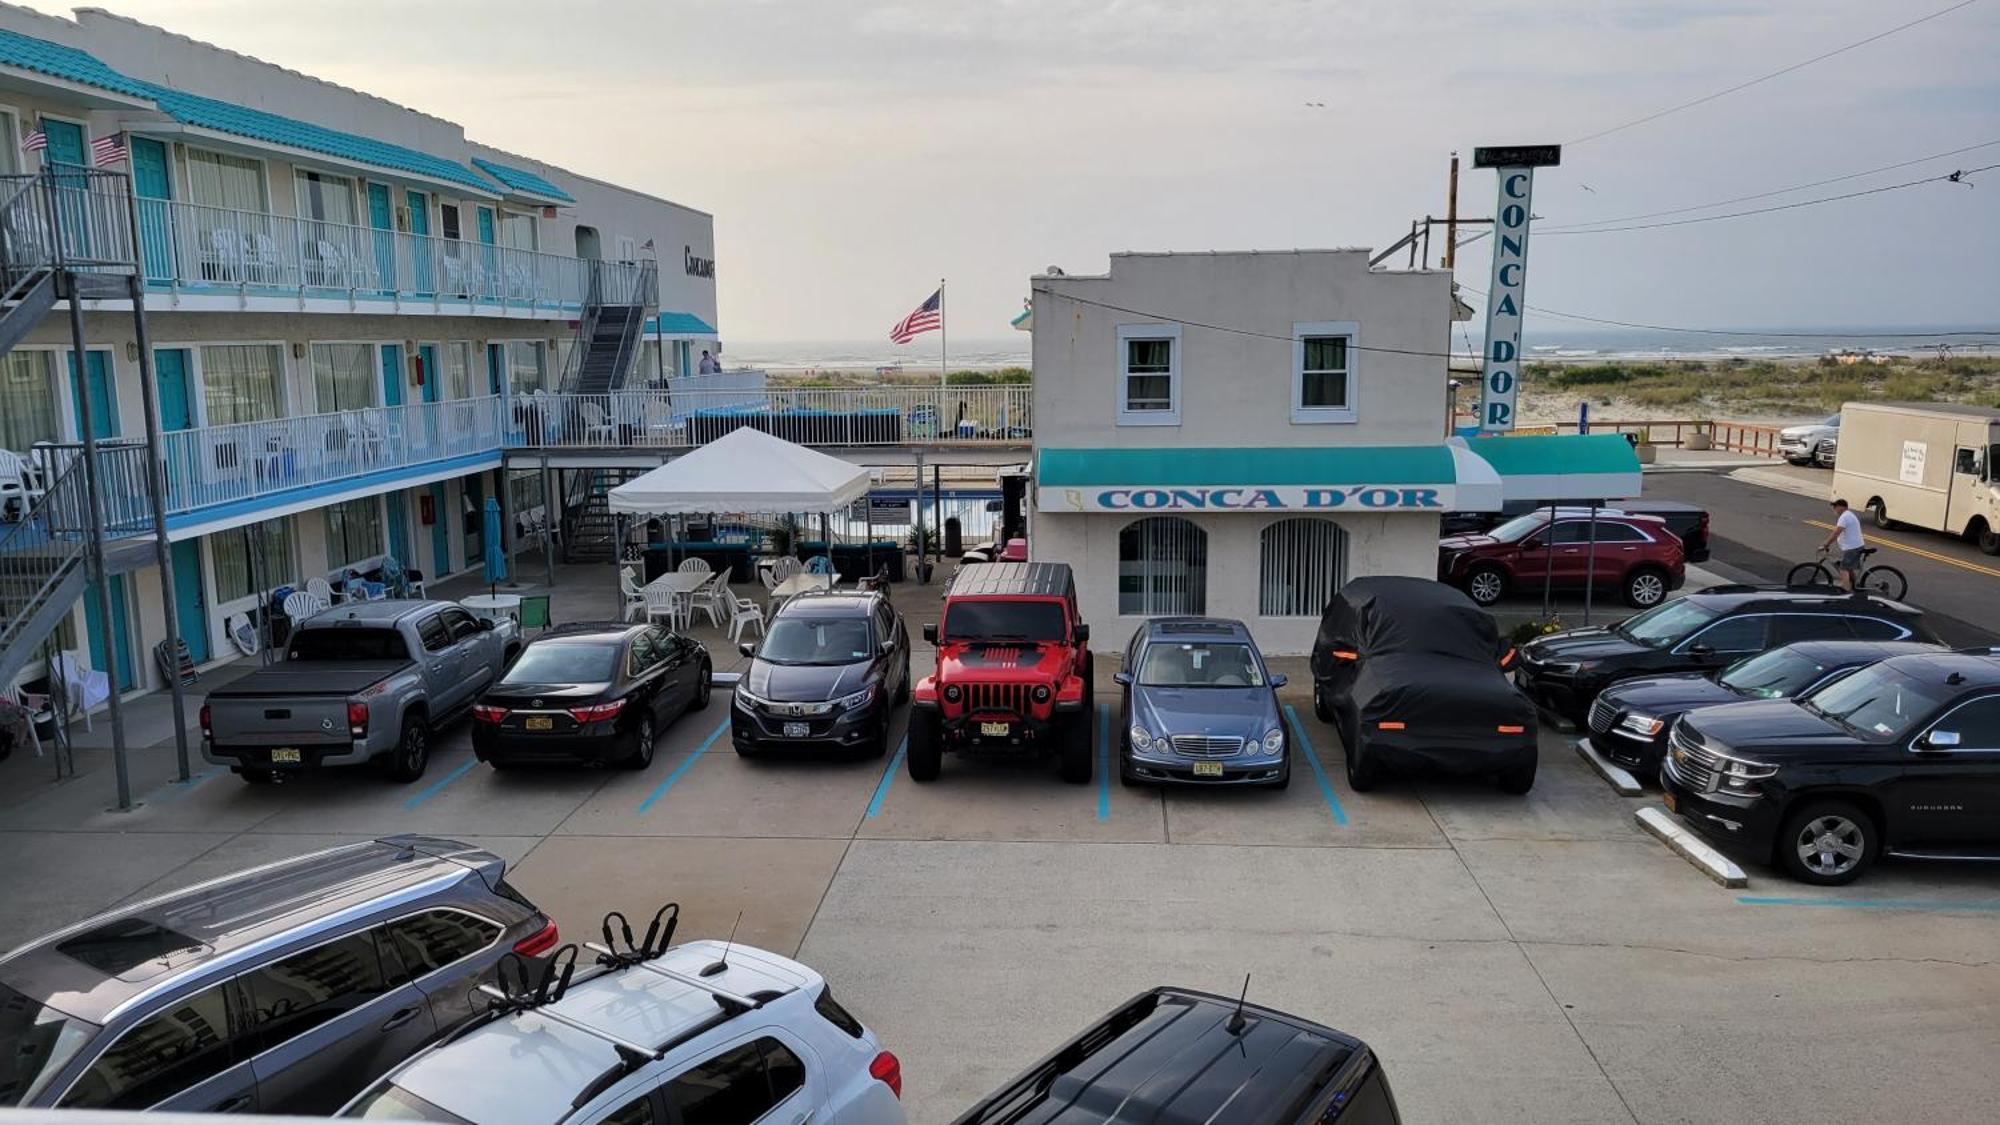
{"x": 1880, "y": 703}
{"x": 390, "y": 1102}
{"x": 1832, "y": 420}
{"x": 971, "y": 619}
{"x": 571, "y": 662}
{"x": 1778, "y": 674}
{"x": 815, "y": 640}
{"x": 1666, "y": 624}
{"x": 35, "y": 1042}
{"x": 1170, "y": 664}
{"x": 1518, "y": 528}
{"x": 344, "y": 642}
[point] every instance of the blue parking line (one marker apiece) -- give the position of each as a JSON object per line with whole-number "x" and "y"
{"x": 683, "y": 767}
{"x": 1319, "y": 771}
{"x": 175, "y": 790}
{"x": 888, "y": 778}
{"x": 438, "y": 785}
{"x": 1103, "y": 761}
{"x": 1926, "y": 905}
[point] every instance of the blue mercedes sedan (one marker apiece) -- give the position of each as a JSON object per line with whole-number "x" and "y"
{"x": 1199, "y": 707}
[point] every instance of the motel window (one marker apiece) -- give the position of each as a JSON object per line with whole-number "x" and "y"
{"x": 10, "y": 155}
{"x": 28, "y": 411}
{"x": 1323, "y": 371}
{"x": 1162, "y": 567}
{"x": 327, "y": 199}
{"x": 1301, "y": 563}
{"x": 457, "y": 373}
{"x": 1149, "y": 375}
{"x": 525, "y": 369}
{"x": 217, "y": 179}
{"x": 242, "y": 383}
{"x": 517, "y": 230}
{"x": 344, "y": 377}
{"x": 251, "y": 558}
{"x": 353, "y": 532}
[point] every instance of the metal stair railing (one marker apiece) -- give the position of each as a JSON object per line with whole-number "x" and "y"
{"x": 38, "y": 553}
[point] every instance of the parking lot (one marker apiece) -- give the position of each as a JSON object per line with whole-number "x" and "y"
{"x": 1512, "y": 959}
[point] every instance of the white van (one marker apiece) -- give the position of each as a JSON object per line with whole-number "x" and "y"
{"x": 1928, "y": 465}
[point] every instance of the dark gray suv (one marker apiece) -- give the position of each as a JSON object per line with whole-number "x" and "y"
{"x": 283, "y": 989}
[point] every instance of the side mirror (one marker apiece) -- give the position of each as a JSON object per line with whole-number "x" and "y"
{"x": 887, "y": 647}
{"x": 1278, "y": 680}
{"x": 1703, "y": 651}
{"x": 1532, "y": 543}
{"x": 1122, "y": 679}
{"x": 747, "y": 649}
{"x": 1082, "y": 633}
{"x": 486, "y": 624}
{"x": 930, "y": 633}
{"x": 1939, "y": 740}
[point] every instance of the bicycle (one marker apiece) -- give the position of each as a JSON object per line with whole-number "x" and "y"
{"x": 1881, "y": 581}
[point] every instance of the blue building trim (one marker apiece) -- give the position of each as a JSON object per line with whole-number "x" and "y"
{"x": 521, "y": 180}
{"x": 676, "y": 324}
{"x": 469, "y": 463}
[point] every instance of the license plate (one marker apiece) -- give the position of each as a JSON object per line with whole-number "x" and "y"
{"x": 993, "y": 730}
{"x": 1208, "y": 769}
{"x": 538, "y": 722}
{"x": 1673, "y": 803}
{"x": 797, "y": 730}
{"x": 286, "y": 756}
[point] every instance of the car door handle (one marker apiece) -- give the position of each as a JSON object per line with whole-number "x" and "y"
{"x": 237, "y": 1104}
{"x": 401, "y": 1017}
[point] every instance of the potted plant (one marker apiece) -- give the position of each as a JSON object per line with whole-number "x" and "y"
{"x": 1700, "y": 439}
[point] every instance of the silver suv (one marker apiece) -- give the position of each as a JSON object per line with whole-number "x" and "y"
{"x": 1815, "y": 443}
{"x": 283, "y": 989}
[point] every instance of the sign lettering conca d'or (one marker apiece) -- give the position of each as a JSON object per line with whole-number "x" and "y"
{"x": 1327, "y": 499}
{"x": 696, "y": 267}
{"x": 1506, "y": 294}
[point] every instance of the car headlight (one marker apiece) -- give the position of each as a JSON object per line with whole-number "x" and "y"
{"x": 1642, "y": 724}
{"x": 1140, "y": 738}
{"x": 1741, "y": 776}
{"x": 1041, "y": 693}
{"x": 1566, "y": 668}
{"x": 952, "y": 693}
{"x": 1274, "y": 740}
{"x": 857, "y": 699}
{"x": 746, "y": 700}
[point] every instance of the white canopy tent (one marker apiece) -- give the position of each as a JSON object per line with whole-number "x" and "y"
{"x": 745, "y": 470}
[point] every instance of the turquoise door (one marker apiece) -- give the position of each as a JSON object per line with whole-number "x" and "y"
{"x": 71, "y": 191}
{"x": 381, "y": 216}
{"x": 496, "y": 367}
{"x": 422, "y": 260}
{"x": 170, "y": 373}
{"x": 489, "y": 258}
{"x": 440, "y": 533}
{"x": 65, "y": 142}
{"x": 154, "y": 187}
{"x": 472, "y": 518}
{"x": 103, "y": 412}
{"x": 190, "y": 607}
{"x": 399, "y": 527}
{"x": 120, "y": 634}
{"x": 428, "y": 355}
{"x": 392, "y": 375}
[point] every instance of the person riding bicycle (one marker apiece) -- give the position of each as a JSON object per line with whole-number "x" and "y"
{"x": 1847, "y": 533}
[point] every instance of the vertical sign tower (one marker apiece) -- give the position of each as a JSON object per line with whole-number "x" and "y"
{"x": 1506, "y": 295}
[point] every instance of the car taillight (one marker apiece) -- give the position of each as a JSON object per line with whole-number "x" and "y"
{"x": 357, "y": 718}
{"x": 597, "y": 713}
{"x": 888, "y": 1071}
{"x": 205, "y": 725}
{"x": 541, "y": 941}
{"x": 1508, "y": 658}
{"x": 1507, "y": 729}
{"x": 1389, "y": 725}
{"x": 1344, "y": 655}
{"x": 487, "y": 713}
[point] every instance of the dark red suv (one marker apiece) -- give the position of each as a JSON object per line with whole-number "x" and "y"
{"x": 1635, "y": 555}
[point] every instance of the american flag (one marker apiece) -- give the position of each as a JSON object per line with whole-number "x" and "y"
{"x": 108, "y": 150}
{"x": 35, "y": 141}
{"x": 928, "y": 317}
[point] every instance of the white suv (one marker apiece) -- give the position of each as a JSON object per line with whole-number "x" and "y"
{"x": 705, "y": 1032}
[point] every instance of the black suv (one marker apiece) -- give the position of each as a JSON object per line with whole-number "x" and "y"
{"x": 828, "y": 675}
{"x": 1900, "y": 757}
{"x": 1174, "y": 1055}
{"x": 1703, "y": 632}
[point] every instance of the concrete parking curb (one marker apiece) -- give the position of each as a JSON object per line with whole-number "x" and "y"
{"x": 1706, "y": 859}
{"x": 1619, "y": 779}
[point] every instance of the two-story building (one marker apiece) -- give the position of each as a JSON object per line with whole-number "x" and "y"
{"x": 1237, "y": 434}
{"x": 342, "y": 294}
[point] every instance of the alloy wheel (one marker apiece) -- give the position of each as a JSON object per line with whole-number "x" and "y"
{"x": 1648, "y": 589}
{"x": 1831, "y": 845}
{"x": 1485, "y": 587}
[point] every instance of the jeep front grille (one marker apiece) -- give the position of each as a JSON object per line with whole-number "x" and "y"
{"x": 1010, "y": 698}
{"x": 1206, "y": 746}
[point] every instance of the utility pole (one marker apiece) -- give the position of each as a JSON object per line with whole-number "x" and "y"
{"x": 1451, "y": 218}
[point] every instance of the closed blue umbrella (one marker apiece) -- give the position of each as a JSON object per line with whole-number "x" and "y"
{"x": 496, "y": 558}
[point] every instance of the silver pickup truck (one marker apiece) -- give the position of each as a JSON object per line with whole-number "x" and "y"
{"x": 360, "y": 683}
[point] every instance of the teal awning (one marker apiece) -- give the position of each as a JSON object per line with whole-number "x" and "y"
{"x": 677, "y": 324}
{"x": 1562, "y": 467}
{"x": 1309, "y": 478}
{"x": 521, "y": 181}
{"x": 67, "y": 63}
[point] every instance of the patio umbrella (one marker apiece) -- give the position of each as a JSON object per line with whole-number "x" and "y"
{"x": 496, "y": 559}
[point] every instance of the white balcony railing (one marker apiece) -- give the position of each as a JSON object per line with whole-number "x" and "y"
{"x": 187, "y": 246}
{"x": 221, "y": 464}
{"x": 839, "y": 416}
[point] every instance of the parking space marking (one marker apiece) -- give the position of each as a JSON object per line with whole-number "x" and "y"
{"x": 1312, "y": 759}
{"x": 1925, "y": 905}
{"x": 174, "y": 790}
{"x": 1103, "y": 768}
{"x": 1876, "y": 538}
{"x": 438, "y": 786}
{"x": 720, "y": 729}
{"x": 888, "y": 778}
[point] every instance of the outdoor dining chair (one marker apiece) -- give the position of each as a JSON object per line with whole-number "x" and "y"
{"x": 597, "y": 425}
{"x": 322, "y": 589}
{"x": 743, "y": 615}
{"x": 714, "y": 599}
{"x": 35, "y": 706}
{"x": 694, "y": 566}
{"x": 635, "y": 594}
{"x": 820, "y": 564}
{"x": 84, "y": 687}
{"x": 662, "y": 604}
{"x": 784, "y": 568}
{"x": 301, "y": 604}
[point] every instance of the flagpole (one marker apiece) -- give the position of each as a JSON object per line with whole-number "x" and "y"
{"x": 944, "y": 366}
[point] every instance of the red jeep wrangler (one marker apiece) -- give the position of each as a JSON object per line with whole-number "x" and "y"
{"x": 1013, "y": 670}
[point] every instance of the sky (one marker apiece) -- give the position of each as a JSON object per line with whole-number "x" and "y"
{"x": 853, "y": 153}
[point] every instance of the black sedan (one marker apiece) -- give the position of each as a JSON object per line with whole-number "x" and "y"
{"x": 596, "y": 693}
{"x": 1630, "y": 720}
{"x": 830, "y": 670}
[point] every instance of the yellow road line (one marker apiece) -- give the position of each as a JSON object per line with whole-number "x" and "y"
{"x": 1876, "y": 538}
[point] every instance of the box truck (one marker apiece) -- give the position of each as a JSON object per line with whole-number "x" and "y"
{"x": 1923, "y": 464}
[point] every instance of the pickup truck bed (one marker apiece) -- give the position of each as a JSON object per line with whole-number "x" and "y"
{"x": 320, "y": 678}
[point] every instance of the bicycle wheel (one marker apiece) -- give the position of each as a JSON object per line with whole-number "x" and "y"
{"x": 1885, "y": 582}
{"x": 1809, "y": 574}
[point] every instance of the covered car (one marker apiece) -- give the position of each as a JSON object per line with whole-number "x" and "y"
{"x": 1409, "y": 671}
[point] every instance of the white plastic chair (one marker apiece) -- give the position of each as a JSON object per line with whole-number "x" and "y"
{"x": 745, "y": 614}
{"x": 34, "y": 705}
{"x": 784, "y": 568}
{"x": 301, "y": 604}
{"x": 84, "y": 686}
{"x": 322, "y": 589}
{"x": 635, "y": 594}
{"x": 714, "y": 599}
{"x": 662, "y": 604}
{"x": 596, "y": 426}
{"x": 694, "y": 566}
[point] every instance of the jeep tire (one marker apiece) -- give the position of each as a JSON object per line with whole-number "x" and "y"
{"x": 926, "y": 743}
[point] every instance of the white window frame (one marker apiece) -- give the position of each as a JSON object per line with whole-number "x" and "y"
{"x": 1319, "y": 415}
{"x": 1170, "y": 416}
{"x": 198, "y": 384}
{"x": 180, "y": 158}
{"x": 13, "y": 116}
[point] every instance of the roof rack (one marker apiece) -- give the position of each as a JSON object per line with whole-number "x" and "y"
{"x": 1783, "y": 588}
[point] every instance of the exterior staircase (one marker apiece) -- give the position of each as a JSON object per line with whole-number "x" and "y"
{"x": 607, "y": 336}
{"x": 589, "y": 531}
{"x": 42, "y": 569}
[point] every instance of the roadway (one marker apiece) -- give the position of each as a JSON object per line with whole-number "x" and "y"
{"x": 1768, "y": 523}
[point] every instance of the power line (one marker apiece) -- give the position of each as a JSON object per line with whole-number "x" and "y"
{"x": 1951, "y": 177}
{"x": 1655, "y": 116}
{"x": 1242, "y": 331}
{"x": 1995, "y": 332}
{"x": 1772, "y": 192}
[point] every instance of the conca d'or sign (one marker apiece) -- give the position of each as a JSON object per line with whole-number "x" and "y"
{"x": 696, "y": 267}
{"x": 1506, "y": 295}
{"x": 1234, "y": 498}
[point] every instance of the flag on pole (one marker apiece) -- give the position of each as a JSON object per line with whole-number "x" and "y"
{"x": 648, "y": 247}
{"x": 927, "y": 317}
{"x": 108, "y": 150}
{"x": 35, "y": 141}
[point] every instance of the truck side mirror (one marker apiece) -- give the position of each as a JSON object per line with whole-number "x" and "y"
{"x": 1701, "y": 650}
{"x": 930, "y": 632}
{"x": 1082, "y": 633}
{"x": 1938, "y": 740}
{"x": 747, "y": 649}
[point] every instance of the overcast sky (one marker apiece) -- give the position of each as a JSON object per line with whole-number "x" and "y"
{"x": 855, "y": 151}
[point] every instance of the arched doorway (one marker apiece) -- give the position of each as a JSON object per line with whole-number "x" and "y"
{"x": 1162, "y": 567}
{"x": 586, "y": 243}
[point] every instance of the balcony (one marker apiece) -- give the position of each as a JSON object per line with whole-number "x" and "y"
{"x": 191, "y": 249}
{"x": 681, "y": 418}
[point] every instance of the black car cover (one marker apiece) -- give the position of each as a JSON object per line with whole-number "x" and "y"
{"x": 1444, "y": 697}
{"x": 1423, "y": 653}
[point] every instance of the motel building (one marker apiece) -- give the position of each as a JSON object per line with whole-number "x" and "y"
{"x": 1239, "y": 434}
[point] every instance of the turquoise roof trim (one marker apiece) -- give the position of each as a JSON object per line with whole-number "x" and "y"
{"x": 1194, "y": 468}
{"x": 67, "y": 63}
{"x": 677, "y": 324}
{"x": 242, "y": 121}
{"x": 1553, "y": 455}
{"x": 522, "y": 180}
